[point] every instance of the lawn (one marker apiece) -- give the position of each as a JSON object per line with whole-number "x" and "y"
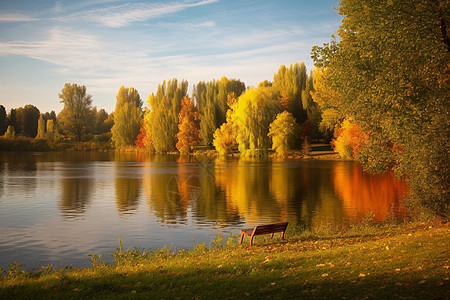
{"x": 391, "y": 261}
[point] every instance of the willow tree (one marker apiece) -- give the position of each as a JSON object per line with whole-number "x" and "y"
{"x": 162, "y": 118}
{"x": 252, "y": 114}
{"x": 390, "y": 68}
{"x": 211, "y": 98}
{"x": 74, "y": 117}
{"x": 127, "y": 117}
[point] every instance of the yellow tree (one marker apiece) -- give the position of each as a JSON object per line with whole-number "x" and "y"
{"x": 284, "y": 131}
{"x": 127, "y": 117}
{"x": 189, "y": 120}
{"x": 252, "y": 114}
{"x": 41, "y": 127}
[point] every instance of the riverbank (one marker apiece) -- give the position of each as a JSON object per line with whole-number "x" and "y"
{"x": 408, "y": 260}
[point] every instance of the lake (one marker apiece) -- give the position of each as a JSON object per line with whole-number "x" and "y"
{"x": 57, "y": 207}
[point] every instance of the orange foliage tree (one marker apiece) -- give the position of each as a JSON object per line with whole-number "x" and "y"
{"x": 349, "y": 139}
{"x": 189, "y": 120}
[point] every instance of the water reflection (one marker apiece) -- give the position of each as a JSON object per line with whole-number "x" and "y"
{"x": 127, "y": 187}
{"x": 76, "y": 188}
{"x": 160, "y": 184}
{"x": 362, "y": 193}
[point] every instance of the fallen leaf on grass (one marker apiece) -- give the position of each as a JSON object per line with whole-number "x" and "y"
{"x": 325, "y": 275}
{"x": 320, "y": 265}
{"x": 362, "y": 275}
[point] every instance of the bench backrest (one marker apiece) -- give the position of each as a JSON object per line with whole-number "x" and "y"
{"x": 264, "y": 229}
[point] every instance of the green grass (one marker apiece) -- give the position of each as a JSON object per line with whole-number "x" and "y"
{"x": 391, "y": 261}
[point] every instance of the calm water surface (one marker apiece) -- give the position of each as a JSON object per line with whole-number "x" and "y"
{"x": 56, "y": 208}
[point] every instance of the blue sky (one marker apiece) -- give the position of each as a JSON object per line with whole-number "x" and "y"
{"x": 104, "y": 44}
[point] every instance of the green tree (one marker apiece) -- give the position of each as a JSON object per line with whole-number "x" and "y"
{"x": 288, "y": 85}
{"x": 252, "y": 114}
{"x": 390, "y": 67}
{"x": 127, "y": 117}
{"x": 27, "y": 120}
{"x": 211, "y": 98}
{"x": 162, "y": 119}
{"x": 188, "y": 134}
{"x": 41, "y": 128}
{"x": 74, "y": 117}
{"x": 284, "y": 131}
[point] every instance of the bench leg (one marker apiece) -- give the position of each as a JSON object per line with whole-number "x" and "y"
{"x": 242, "y": 237}
{"x": 251, "y": 240}
{"x": 271, "y": 235}
{"x": 282, "y": 235}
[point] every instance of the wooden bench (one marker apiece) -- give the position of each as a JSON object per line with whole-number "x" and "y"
{"x": 264, "y": 229}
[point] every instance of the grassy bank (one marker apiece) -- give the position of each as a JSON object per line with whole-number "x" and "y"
{"x": 360, "y": 262}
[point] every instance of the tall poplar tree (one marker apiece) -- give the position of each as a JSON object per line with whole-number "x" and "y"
{"x": 162, "y": 119}
{"x": 41, "y": 127}
{"x": 127, "y": 117}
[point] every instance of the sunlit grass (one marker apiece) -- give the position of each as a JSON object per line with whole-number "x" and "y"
{"x": 360, "y": 261}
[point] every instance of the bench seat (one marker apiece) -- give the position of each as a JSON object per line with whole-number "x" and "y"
{"x": 264, "y": 229}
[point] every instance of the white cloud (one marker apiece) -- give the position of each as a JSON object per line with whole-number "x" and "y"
{"x": 126, "y": 14}
{"x": 15, "y": 17}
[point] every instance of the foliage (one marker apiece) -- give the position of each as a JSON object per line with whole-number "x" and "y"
{"x": 41, "y": 128}
{"x": 127, "y": 117}
{"x": 225, "y": 136}
{"x": 74, "y": 117}
{"x": 162, "y": 119}
{"x": 27, "y": 120}
{"x": 212, "y": 100}
{"x": 288, "y": 84}
{"x": 188, "y": 134}
{"x": 224, "y": 139}
{"x": 50, "y": 126}
{"x": 252, "y": 114}
{"x": 390, "y": 68}
{"x": 10, "y": 132}
{"x": 328, "y": 101}
{"x": 349, "y": 139}
{"x": 284, "y": 131}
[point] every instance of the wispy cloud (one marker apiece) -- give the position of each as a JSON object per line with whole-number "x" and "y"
{"x": 15, "y": 17}
{"x": 126, "y": 14}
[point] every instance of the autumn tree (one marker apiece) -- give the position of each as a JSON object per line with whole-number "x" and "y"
{"x": 288, "y": 84}
{"x": 328, "y": 102}
{"x": 390, "y": 68}
{"x": 188, "y": 134}
{"x": 74, "y": 117}
{"x": 225, "y": 136}
{"x": 284, "y": 131}
{"x": 211, "y": 98}
{"x": 349, "y": 139}
{"x": 10, "y": 132}
{"x": 51, "y": 130}
{"x": 252, "y": 114}
{"x": 41, "y": 128}
{"x": 127, "y": 117}
{"x": 162, "y": 118}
